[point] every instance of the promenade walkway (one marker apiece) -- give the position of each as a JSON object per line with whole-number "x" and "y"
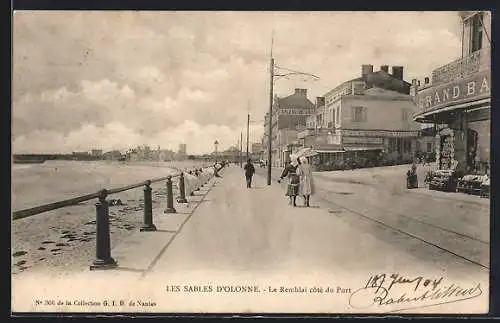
{"x": 230, "y": 236}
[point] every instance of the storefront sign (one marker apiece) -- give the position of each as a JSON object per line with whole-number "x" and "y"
{"x": 363, "y": 140}
{"x": 469, "y": 89}
{"x": 294, "y": 111}
{"x": 379, "y": 133}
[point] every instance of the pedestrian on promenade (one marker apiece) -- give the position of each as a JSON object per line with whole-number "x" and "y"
{"x": 306, "y": 186}
{"x": 249, "y": 171}
{"x": 217, "y": 167}
{"x": 290, "y": 172}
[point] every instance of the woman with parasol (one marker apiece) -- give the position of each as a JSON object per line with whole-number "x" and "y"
{"x": 290, "y": 172}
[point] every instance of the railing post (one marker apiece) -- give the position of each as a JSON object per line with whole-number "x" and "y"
{"x": 202, "y": 177}
{"x": 170, "y": 198}
{"x": 193, "y": 188}
{"x": 182, "y": 189}
{"x": 103, "y": 244}
{"x": 148, "y": 209}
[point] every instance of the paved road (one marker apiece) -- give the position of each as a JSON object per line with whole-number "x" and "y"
{"x": 351, "y": 232}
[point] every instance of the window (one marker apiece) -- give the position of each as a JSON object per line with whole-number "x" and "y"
{"x": 404, "y": 114}
{"x": 476, "y": 32}
{"x": 358, "y": 88}
{"x": 359, "y": 114}
{"x": 392, "y": 145}
{"x": 406, "y": 146}
{"x": 429, "y": 147}
{"x": 338, "y": 115}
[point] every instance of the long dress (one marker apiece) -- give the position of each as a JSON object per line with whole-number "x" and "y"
{"x": 290, "y": 172}
{"x": 306, "y": 186}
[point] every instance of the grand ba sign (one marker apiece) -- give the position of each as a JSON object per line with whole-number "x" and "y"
{"x": 465, "y": 90}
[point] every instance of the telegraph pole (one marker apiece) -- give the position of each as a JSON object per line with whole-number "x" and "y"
{"x": 248, "y": 131}
{"x": 241, "y": 148}
{"x": 286, "y": 73}
{"x": 270, "y": 126}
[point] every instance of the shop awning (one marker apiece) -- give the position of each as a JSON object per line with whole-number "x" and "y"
{"x": 431, "y": 115}
{"x": 329, "y": 151}
{"x": 362, "y": 148}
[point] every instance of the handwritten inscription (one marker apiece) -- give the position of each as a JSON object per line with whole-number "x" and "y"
{"x": 402, "y": 292}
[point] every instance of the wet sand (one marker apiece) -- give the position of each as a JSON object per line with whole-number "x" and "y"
{"x": 64, "y": 239}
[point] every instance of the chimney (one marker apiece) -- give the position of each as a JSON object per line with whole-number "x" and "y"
{"x": 366, "y": 69}
{"x": 301, "y": 92}
{"x": 397, "y": 72}
{"x": 320, "y": 101}
{"x": 385, "y": 68}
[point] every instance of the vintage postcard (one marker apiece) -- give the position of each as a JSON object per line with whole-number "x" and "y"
{"x": 251, "y": 162}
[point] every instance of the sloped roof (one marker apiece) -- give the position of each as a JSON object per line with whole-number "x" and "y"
{"x": 357, "y": 79}
{"x": 377, "y": 91}
{"x": 296, "y": 100}
{"x": 387, "y": 81}
{"x": 379, "y": 79}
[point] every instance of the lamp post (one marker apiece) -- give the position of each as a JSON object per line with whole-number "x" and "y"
{"x": 216, "y": 145}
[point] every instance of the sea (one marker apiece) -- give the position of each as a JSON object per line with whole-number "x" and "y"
{"x": 52, "y": 181}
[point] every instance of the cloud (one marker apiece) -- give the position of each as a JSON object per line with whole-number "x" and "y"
{"x": 109, "y": 79}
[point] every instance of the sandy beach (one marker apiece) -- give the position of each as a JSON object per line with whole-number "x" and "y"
{"x": 64, "y": 239}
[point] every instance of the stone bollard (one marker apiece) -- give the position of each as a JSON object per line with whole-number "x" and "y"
{"x": 170, "y": 198}
{"x": 182, "y": 189}
{"x": 103, "y": 244}
{"x": 148, "y": 209}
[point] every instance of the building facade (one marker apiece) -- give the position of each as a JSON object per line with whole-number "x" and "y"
{"x": 258, "y": 150}
{"x": 289, "y": 117}
{"x": 369, "y": 117}
{"x": 457, "y": 99}
{"x": 182, "y": 152}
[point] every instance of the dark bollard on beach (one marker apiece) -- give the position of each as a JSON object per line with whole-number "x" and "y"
{"x": 170, "y": 198}
{"x": 148, "y": 209}
{"x": 103, "y": 244}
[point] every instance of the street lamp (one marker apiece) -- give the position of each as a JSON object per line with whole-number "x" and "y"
{"x": 216, "y": 145}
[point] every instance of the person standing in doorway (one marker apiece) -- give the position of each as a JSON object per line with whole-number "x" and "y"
{"x": 306, "y": 186}
{"x": 249, "y": 171}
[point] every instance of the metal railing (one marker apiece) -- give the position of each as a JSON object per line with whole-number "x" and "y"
{"x": 460, "y": 68}
{"x": 103, "y": 258}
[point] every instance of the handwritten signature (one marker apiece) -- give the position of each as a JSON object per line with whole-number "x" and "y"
{"x": 416, "y": 292}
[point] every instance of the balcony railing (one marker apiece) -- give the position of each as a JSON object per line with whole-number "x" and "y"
{"x": 463, "y": 67}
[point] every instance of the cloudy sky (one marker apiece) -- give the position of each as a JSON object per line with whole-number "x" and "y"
{"x": 113, "y": 80}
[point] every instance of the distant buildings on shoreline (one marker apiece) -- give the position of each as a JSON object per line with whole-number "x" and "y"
{"x": 140, "y": 153}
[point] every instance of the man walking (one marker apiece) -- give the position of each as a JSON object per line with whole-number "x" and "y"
{"x": 249, "y": 171}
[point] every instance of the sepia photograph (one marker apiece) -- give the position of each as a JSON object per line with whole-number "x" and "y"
{"x": 333, "y": 162}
